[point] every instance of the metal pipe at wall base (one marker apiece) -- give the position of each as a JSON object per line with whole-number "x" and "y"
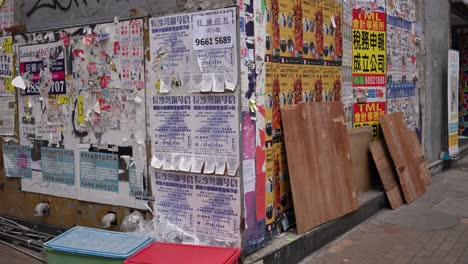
{"x": 29, "y": 243}
{"x": 23, "y": 251}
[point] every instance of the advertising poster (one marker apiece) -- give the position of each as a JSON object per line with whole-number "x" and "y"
{"x": 112, "y": 83}
{"x": 270, "y": 212}
{"x": 191, "y": 133}
{"x": 292, "y": 90}
{"x": 368, "y": 114}
{"x": 333, "y": 32}
{"x": 99, "y": 108}
{"x": 401, "y": 69}
{"x": 331, "y": 79}
{"x": 369, "y": 49}
{"x": 6, "y": 67}
{"x": 463, "y": 97}
{"x": 99, "y": 171}
{"x": 312, "y": 83}
{"x": 17, "y": 161}
{"x": 135, "y": 182}
{"x": 7, "y": 118}
{"x": 453, "y": 77}
{"x": 370, "y": 5}
{"x": 216, "y": 133}
{"x": 194, "y": 52}
{"x": 313, "y": 25}
{"x": 44, "y": 66}
{"x": 347, "y": 63}
{"x": 206, "y": 207}
{"x": 282, "y": 190}
{"x": 269, "y": 20}
{"x": 7, "y": 91}
{"x": 401, "y": 98}
{"x": 290, "y": 33}
{"x": 43, "y": 105}
{"x": 274, "y": 99}
{"x": 7, "y": 17}
{"x": 369, "y": 67}
{"x": 58, "y": 165}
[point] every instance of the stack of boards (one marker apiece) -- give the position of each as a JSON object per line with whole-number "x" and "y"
{"x": 400, "y": 161}
{"x": 321, "y": 170}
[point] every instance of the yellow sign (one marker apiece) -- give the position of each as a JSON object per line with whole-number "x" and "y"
{"x": 376, "y": 128}
{"x": 453, "y": 140}
{"x": 8, "y": 45}
{"x": 61, "y": 99}
{"x": 369, "y": 49}
{"x": 80, "y": 110}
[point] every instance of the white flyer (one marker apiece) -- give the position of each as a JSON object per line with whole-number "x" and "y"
{"x": 214, "y": 29}
{"x": 205, "y": 207}
{"x": 189, "y": 133}
{"x": 180, "y": 66}
{"x": 7, "y": 118}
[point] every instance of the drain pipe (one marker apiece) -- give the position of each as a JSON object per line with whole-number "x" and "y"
{"x": 41, "y": 209}
{"x": 131, "y": 222}
{"x": 108, "y": 220}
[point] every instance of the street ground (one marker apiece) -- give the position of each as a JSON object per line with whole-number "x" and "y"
{"x": 12, "y": 256}
{"x": 433, "y": 229}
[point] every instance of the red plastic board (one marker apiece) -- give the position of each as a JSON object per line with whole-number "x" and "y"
{"x": 168, "y": 253}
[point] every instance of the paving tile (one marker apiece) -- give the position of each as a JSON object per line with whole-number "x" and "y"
{"x": 402, "y": 260}
{"x": 447, "y": 245}
{"x": 424, "y": 253}
{"x": 439, "y": 237}
{"x": 431, "y": 246}
{"x": 375, "y": 242}
{"x": 450, "y": 260}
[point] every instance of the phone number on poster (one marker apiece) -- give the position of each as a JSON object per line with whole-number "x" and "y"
{"x": 369, "y": 80}
{"x": 209, "y": 41}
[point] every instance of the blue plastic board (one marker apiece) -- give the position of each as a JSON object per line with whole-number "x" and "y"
{"x": 96, "y": 242}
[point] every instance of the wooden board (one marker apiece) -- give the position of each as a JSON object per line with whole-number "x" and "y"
{"x": 319, "y": 162}
{"x": 418, "y": 154}
{"x": 394, "y": 197}
{"x": 387, "y": 173}
{"x": 359, "y": 140}
{"x": 400, "y": 145}
{"x": 384, "y": 164}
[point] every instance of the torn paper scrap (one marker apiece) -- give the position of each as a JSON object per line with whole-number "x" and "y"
{"x": 18, "y": 82}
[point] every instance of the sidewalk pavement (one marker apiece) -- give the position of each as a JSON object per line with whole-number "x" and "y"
{"x": 433, "y": 229}
{"x": 12, "y": 256}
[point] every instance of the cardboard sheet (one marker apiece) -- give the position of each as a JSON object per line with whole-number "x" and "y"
{"x": 401, "y": 146}
{"x": 316, "y": 141}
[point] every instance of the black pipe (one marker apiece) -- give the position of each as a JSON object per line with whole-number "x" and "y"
{"x": 29, "y": 243}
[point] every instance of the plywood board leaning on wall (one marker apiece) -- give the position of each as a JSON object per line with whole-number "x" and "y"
{"x": 400, "y": 144}
{"x": 319, "y": 162}
{"x": 359, "y": 140}
{"x": 387, "y": 173}
{"x": 418, "y": 154}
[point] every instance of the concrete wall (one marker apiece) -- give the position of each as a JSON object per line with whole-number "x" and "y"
{"x": 56, "y": 14}
{"x": 436, "y": 42}
{"x": 52, "y": 14}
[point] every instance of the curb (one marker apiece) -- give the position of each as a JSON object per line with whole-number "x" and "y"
{"x": 304, "y": 245}
{"x": 307, "y": 244}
